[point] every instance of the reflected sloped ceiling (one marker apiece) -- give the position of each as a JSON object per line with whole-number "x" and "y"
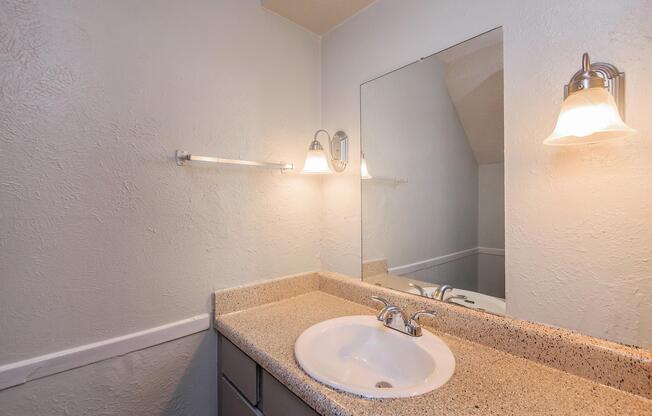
{"x": 474, "y": 78}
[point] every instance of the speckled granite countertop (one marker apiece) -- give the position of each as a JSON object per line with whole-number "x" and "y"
{"x": 486, "y": 381}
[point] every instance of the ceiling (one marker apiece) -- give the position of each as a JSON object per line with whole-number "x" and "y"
{"x": 318, "y": 16}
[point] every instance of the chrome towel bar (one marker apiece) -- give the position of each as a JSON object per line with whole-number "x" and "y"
{"x": 182, "y": 157}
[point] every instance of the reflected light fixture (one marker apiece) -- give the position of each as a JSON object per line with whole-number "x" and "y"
{"x": 317, "y": 160}
{"x": 364, "y": 171}
{"x": 594, "y": 107}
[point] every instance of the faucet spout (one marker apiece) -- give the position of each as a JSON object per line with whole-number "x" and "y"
{"x": 441, "y": 291}
{"x": 394, "y": 318}
{"x": 387, "y": 314}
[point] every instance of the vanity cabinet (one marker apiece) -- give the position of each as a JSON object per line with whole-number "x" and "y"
{"x": 246, "y": 389}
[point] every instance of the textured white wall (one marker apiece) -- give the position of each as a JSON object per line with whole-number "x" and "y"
{"x": 411, "y": 132}
{"x": 101, "y": 234}
{"x": 578, "y": 221}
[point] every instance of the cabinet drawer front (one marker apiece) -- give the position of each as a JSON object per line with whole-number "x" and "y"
{"x": 277, "y": 400}
{"x": 232, "y": 403}
{"x": 240, "y": 370}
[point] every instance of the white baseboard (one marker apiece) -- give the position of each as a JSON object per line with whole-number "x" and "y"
{"x": 426, "y": 264}
{"x": 446, "y": 258}
{"x": 492, "y": 251}
{"x": 21, "y": 372}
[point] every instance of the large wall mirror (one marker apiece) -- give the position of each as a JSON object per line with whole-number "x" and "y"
{"x": 433, "y": 190}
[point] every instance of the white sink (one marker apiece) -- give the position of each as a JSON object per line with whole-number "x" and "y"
{"x": 473, "y": 300}
{"x": 359, "y": 355}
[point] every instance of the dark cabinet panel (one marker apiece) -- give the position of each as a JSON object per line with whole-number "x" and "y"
{"x": 240, "y": 370}
{"x": 232, "y": 403}
{"x": 246, "y": 389}
{"x": 277, "y": 400}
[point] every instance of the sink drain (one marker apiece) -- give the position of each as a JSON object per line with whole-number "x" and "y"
{"x": 383, "y": 385}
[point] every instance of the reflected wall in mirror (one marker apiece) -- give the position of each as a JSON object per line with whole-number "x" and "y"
{"x": 433, "y": 199}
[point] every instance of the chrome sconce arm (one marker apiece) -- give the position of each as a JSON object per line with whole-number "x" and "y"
{"x": 338, "y": 147}
{"x": 602, "y": 75}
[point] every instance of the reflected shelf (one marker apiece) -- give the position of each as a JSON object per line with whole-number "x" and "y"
{"x": 390, "y": 181}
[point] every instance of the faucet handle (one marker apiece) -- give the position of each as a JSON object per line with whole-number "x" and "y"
{"x": 419, "y": 314}
{"x": 413, "y": 327}
{"x": 384, "y": 301}
{"x": 453, "y": 297}
{"x": 386, "y": 305}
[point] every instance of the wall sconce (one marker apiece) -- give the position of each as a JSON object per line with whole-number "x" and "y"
{"x": 594, "y": 107}
{"x": 316, "y": 159}
{"x": 364, "y": 171}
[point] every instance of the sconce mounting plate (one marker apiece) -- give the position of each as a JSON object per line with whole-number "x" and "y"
{"x": 181, "y": 157}
{"x": 339, "y": 145}
{"x": 614, "y": 81}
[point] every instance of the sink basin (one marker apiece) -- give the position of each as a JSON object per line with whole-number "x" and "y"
{"x": 473, "y": 300}
{"x": 359, "y": 355}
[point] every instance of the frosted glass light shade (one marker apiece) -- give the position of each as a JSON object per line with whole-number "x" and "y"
{"x": 316, "y": 162}
{"x": 364, "y": 171}
{"x": 588, "y": 116}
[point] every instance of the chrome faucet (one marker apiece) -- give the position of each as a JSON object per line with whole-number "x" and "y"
{"x": 388, "y": 312}
{"x": 394, "y": 318}
{"x": 441, "y": 291}
{"x": 420, "y": 289}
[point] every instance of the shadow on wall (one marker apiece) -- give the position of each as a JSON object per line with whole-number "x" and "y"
{"x": 175, "y": 378}
{"x": 196, "y": 391}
